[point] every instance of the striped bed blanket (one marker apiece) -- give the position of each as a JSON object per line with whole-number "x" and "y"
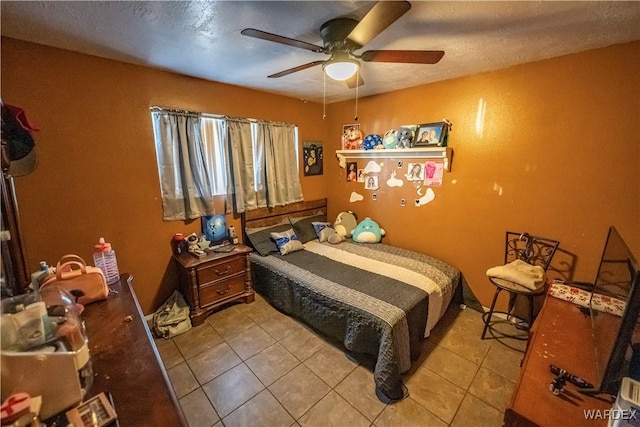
{"x": 376, "y": 299}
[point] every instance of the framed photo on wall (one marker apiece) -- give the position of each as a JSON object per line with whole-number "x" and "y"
{"x": 431, "y": 134}
{"x": 312, "y": 157}
{"x": 352, "y": 171}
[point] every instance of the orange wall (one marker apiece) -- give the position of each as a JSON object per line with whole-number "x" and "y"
{"x": 97, "y": 173}
{"x": 557, "y": 154}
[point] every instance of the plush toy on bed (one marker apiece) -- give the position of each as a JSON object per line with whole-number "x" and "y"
{"x": 326, "y": 233}
{"x": 344, "y": 223}
{"x": 368, "y": 231}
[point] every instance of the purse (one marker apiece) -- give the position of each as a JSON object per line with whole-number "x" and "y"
{"x": 88, "y": 284}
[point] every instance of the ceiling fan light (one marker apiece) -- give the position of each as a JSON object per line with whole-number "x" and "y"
{"x": 341, "y": 69}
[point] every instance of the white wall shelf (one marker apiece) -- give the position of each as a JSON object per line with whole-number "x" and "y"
{"x": 444, "y": 153}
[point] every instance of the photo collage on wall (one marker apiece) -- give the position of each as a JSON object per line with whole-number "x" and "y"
{"x": 420, "y": 174}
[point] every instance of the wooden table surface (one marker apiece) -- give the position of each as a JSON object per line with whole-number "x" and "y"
{"x": 126, "y": 362}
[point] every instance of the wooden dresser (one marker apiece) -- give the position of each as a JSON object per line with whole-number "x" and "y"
{"x": 562, "y": 336}
{"x": 215, "y": 279}
{"x": 126, "y": 362}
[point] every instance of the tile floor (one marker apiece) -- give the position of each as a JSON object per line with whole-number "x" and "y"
{"x": 251, "y": 365}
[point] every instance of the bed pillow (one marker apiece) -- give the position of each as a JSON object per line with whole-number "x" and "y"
{"x": 261, "y": 240}
{"x": 287, "y": 241}
{"x": 303, "y": 226}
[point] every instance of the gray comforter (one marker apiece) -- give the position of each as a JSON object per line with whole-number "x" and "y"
{"x": 376, "y": 299}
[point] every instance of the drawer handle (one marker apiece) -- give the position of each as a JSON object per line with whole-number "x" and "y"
{"x": 226, "y": 270}
{"x": 224, "y": 292}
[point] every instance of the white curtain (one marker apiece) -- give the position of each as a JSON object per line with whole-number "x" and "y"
{"x": 241, "y": 192}
{"x": 263, "y": 161}
{"x": 280, "y": 163}
{"x": 213, "y": 137}
{"x": 185, "y": 181}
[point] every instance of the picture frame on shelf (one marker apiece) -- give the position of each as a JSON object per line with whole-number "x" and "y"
{"x": 431, "y": 135}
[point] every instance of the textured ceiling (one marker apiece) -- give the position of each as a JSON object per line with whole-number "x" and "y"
{"x": 202, "y": 39}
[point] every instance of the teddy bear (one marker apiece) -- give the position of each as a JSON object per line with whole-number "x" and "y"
{"x": 368, "y": 231}
{"x": 352, "y": 139}
{"x": 344, "y": 223}
{"x": 405, "y": 136}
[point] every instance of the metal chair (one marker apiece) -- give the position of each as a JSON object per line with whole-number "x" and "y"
{"x": 534, "y": 250}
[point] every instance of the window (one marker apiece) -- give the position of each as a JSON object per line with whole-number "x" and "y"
{"x": 254, "y": 163}
{"x": 212, "y": 131}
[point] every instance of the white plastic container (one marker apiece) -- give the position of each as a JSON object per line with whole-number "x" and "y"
{"x": 625, "y": 409}
{"x": 104, "y": 258}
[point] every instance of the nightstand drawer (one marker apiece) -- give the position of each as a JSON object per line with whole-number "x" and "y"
{"x": 219, "y": 291}
{"x": 221, "y": 270}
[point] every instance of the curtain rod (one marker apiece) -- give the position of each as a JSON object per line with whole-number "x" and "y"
{"x": 216, "y": 116}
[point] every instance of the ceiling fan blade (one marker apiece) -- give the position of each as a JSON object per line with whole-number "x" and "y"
{"x": 403, "y": 56}
{"x": 383, "y": 14}
{"x": 296, "y": 69}
{"x": 356, "y": 78}
{"x": 263, "y": 35}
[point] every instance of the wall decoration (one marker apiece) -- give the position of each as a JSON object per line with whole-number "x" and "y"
{"x": 434, "y": 171}
{"x": 393, "y": 181}
{"x": 372, "y": 167}
{"x": 428, "y": 197}
{"x": 352, "y": 171}
{"x": 352, "y": 138}
{"x": 371, "y": 182}
{"x": 432, "y": 134}
{"x": 415, "y": 172}
{"x": 361, "y": 175}
{"x": 312, "y": 155}
{"x": 356, "y": 197}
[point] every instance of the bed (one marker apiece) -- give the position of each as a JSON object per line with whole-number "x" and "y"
{"x": 378, "y": 300}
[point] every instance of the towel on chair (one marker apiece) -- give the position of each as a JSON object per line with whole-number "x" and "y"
{"x": 520, "y": 272}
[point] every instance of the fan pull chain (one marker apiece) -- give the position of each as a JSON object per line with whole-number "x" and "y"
{"x": 355, "y": 118}
{"x": 324, "y": 96}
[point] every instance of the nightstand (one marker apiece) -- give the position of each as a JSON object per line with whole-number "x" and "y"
{"x": 214, "y": 280}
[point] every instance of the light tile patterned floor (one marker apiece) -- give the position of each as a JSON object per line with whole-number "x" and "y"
{"x": 251, "y": 365}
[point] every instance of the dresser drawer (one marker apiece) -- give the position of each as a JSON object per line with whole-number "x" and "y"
{"x": 222, "y": 290}
{"x": 221, "y": 270}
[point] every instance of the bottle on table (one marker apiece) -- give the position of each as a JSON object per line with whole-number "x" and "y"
{"x": 104, "y": 258}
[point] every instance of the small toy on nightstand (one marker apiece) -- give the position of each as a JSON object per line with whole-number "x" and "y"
{"x": 232, "y": 235}
{"x": 193, "y": 247}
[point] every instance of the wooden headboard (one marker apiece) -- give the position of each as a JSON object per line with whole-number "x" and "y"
{"x": 269, "y": 216}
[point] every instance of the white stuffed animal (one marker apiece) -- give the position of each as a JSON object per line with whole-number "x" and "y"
{"x": 344, "y": 223}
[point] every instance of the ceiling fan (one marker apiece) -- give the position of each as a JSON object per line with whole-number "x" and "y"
{"x": 343, "y": 36}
